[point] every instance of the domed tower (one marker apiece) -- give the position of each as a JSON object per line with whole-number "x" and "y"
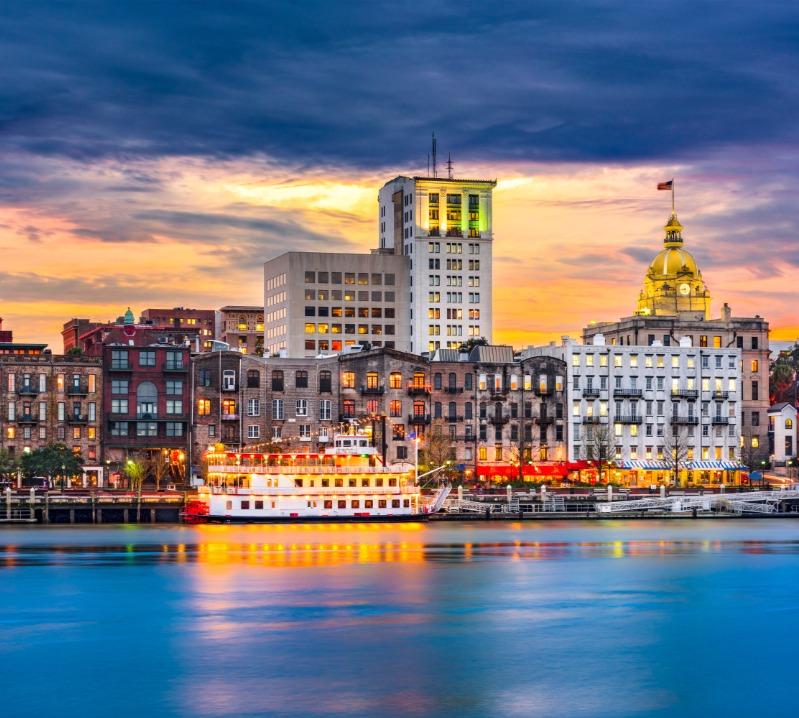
{"x": 673, "y": 285}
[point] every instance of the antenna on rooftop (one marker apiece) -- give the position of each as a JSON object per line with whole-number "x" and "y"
{"x": 434, "y": 155}
{"x": 449, "y": 165}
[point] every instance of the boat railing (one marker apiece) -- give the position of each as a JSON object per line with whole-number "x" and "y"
{"x": 317, "y": 491}
{"x": 228, "y": 469}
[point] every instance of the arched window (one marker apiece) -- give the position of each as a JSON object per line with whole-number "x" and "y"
{"x": 146, "y": 400}
{"x": 325, "y": 381}
{"x": 789, "y": 424}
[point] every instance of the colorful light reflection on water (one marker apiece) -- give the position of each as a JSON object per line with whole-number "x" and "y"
{"x": 484, "y": 619}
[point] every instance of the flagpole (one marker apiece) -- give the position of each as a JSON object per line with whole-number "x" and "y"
{"x": 672, "y": 195}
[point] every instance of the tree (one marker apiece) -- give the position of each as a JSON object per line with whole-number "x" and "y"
{"x": 782, "y": 381}
{"x": 473, "y": 342}
{"x": 157, "y": 465}
{"x": 675, "y": 451}
{"x": 135, "y": 470}
{"x": 9, "y": 466}
{"x": 436, "y": 448}
{"x": 50, "y": 461}
{"x": 598, "y": 448}
{"x": 752, "y": 457}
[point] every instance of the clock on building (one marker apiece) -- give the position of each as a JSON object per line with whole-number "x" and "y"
{"x": 685, "y": 289}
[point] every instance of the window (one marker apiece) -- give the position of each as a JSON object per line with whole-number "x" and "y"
{"x": 146, "y": 358}
{"x": 119, "y": 386}
{"x": 146, "y": 428}
{"x": 229, "y": 407}
{"x": 253, "y": 379}
{"x": 348, "y": 380}
{"x": 253, "y": 407}
{"x": 755, "y": 366}
{"x": 205, "y": 377}
{"x": 277, "y": 408}
{"x": 174, "y": 387}
{"x": 119, "y": 359}
{"x": 119, "y": 406}
{"x": 325, "y": 410}
{"x": 755, "y": 391}
{"x": 253, "y": 431}
{"x": 174, "y": 428}
{"x": 119, "y": 428}
{"x": 174, "y": 360}
{"x": 203, "y": 407}
{"x": 228, "y": 380}
{"x": 174, "y": 406}
{"x": 277, "y": 380}
{"x": 302, "y": 407}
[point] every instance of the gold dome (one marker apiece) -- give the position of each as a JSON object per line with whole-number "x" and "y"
{"x": 672, "y": 261}
{"x": 673, "y": 284}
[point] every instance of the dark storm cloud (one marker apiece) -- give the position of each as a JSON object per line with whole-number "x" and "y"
{"x": 363, "y": 83}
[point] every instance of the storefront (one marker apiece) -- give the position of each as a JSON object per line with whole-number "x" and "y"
{"x": 690, "y": 473}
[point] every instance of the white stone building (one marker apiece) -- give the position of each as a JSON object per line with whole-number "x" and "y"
{"x": 630, "y": 398}
{"x": 782, "y": 432}
{"x": 444, "y": 227}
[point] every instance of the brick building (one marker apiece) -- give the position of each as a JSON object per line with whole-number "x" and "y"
{"x": 203, "y": 320}
{"x": 147, "y": 392}
{"x": 242, "y": 327}
{"x": 48, "y": 399}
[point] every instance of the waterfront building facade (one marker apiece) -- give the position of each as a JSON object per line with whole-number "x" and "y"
{"x": 635, "y": 406}
{"x": 322, "y": 302}
{"x": 675, "y": 304}
{"x": 51, "y": 399}
{"x": 147, "y": 393}
{"x": 443, "y": 226}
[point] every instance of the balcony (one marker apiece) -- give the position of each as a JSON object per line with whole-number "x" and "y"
{"x": 545, "y": 419}
{"x": 543, "y": 390}
{"x": 721, "y": 395}
{"x": 373, "y": 390}
{"x": 77, "y": 389}
{"x": 592, "y": 392}
{"x": 147, "y": 415}
{"x": 28, "y": 390}
{"x": 77, "y": 419}
{"x": 453, "y": 390}
{"x": 630, "y": 393}
{"x": 454, "y": 232}
{"x": 629, "y": 419}
{"x": 229, "y": 386}
{"x": 452, "y": 418}
{"x": 419, "y": 419}
{"x": 230, "y": 417}
{"x": 593, "y": 419}
{"x": 434, "y": 232}
{"x": 418, "y": 389}
{"x": 689, "y": 394}
{"x": 172, "y": 367}
{"x": 685, "y": 420}
{"x": 499, "y": 419}
{"x": 120, "y": 366}
{"x": 27, "y": 419}
{"x": 721, "y": 420}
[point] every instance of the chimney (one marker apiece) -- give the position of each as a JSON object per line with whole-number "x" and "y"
{"x": 726, "y": 312}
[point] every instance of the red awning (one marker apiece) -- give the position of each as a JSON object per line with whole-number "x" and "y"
{"x": 556, "y": 470}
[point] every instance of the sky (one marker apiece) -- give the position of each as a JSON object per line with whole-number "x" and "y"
{"x": 156, "y": 154}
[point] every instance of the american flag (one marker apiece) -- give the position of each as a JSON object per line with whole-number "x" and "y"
{"x": 666, "y": 185}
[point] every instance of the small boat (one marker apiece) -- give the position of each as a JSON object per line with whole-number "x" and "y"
{"x": 348, "y": 482}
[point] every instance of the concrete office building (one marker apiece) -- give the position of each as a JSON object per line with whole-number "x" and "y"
{"x": 318, "y": 302}
{"x": 444, "y": 227}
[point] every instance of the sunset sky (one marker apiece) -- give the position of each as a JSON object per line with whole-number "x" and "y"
{"x": 156, "y": 154}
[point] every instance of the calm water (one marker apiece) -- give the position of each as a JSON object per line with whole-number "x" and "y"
{"x": 687, "y": 618}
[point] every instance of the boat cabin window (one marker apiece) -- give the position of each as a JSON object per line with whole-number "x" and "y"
{"x": 245, "y": 504}
{"x": 259, "y": 505}
{"x": 352, "y": 482}
{"x": 328, "y": 504}
{"x": 392, "y": 482}
{"x": 325, "y": 482}
{"x": 381, "y": 504}
{"x": 356, "y": 504}
{"x": 395, "y": 503}
{"x": 342, "y": 504}
{"x": 378, "y": 482}
{"x": 298, "y": 483}
{"x": 339, "y": 483}
{"x": 364, "y": 482}
{"x": 368, "y": 504}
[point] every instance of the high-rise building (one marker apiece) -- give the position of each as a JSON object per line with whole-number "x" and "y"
{"x": 318, "y": 302}
{"x": 444, "y": 227}
{"x": 674, "y": 303}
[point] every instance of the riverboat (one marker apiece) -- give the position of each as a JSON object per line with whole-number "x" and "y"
{"x": 348, "y": 482}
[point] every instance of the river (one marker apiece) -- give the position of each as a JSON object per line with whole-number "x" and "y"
{"x": 634, "y": 618}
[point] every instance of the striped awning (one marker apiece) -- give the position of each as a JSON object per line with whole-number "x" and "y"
{"x": 641, "y": 464}
{"x": 714, "y": 465}
{"x": 690, "y": 465}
